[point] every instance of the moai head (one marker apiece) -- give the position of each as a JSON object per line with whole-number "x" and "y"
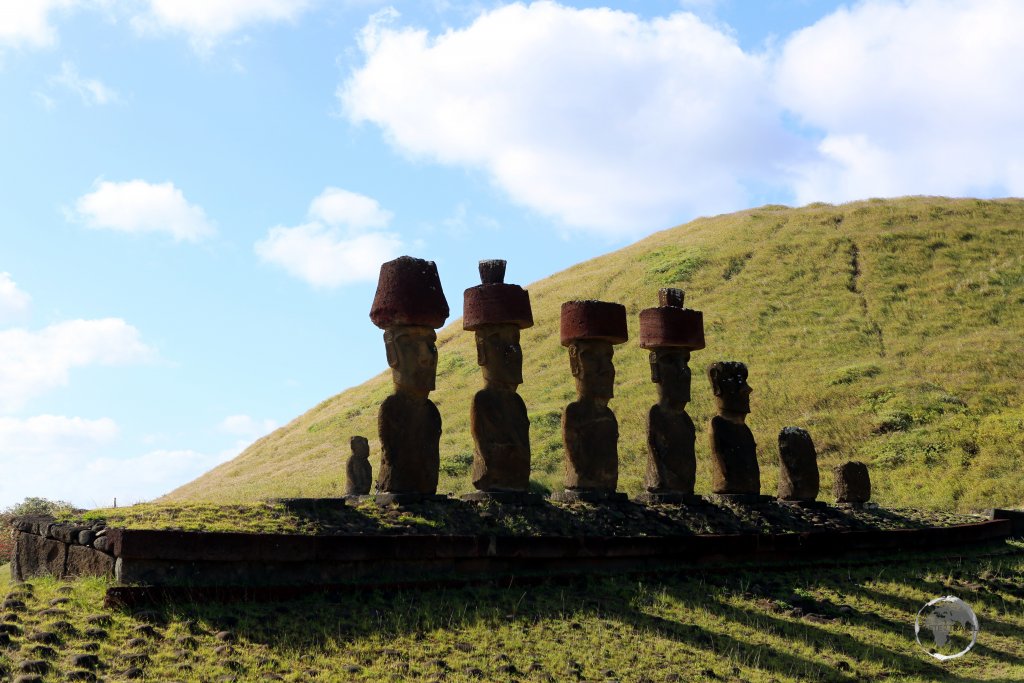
{"x": 729, "y": 384}
{"x": 412, "y": 355}
{"x": 360, "y": 447}
{"x": 496, "y": 312}
{"x": 409, "y": 306}
{"x": 589, "y": 330}
{"x": 671, "y": 332}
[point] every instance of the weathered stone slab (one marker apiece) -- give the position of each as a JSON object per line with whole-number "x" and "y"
{"x": 84, "y": 561}
{"x": 37, "y": 556}
{"x": 852, "y": 483}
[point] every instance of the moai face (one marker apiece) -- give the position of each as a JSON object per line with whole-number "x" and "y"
{"x": 499, "y": 354}
{"x": 412, "y": 355}
{"x": 729, "y": 383}
{"x": 591, "y": 363}
{"x": 670, "y": 370}
{"x": 360, "y": 447}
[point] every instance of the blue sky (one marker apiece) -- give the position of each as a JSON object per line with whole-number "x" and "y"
{"x": 196, "y": 195}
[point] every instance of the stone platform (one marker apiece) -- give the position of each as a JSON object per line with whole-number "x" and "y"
{"x": 183, "y": 558}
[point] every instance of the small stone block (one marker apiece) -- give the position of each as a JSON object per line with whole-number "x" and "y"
{"x": 669, "y": 498}
{"x": 409, "y": 498}
{"x": 743, "y": 498}
{"x": 589, "y": 496}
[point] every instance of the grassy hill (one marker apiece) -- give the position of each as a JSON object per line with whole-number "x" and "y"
{"x": 893, "y": 330}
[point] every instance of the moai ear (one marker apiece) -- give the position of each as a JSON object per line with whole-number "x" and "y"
{"x": 481, "y": 350}
{"x": 713, "y": 374}
{"x": 655, "y": 375}
{"x": 391, "y": 349}
{"x": 574, "y": 360}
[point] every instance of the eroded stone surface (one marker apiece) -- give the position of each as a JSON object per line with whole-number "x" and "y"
{"x": 798, "y": 465}
{"x": 734, "y": 468}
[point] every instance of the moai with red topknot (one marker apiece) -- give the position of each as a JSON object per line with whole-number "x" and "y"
{"x": 670, "y": 332}
{"x": 590, "y": 329}
{"x": 495, "y": 312}
{"x": 409, "y": 306}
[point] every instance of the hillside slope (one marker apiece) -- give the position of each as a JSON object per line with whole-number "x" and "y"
{"x": 893, "y": 330}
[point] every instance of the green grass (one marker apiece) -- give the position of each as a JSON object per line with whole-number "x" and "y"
{"x": 890, "y": 329}
{"x": 797, "y": 623}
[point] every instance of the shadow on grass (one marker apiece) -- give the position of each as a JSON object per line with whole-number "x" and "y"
{"x": 695, "y": 611}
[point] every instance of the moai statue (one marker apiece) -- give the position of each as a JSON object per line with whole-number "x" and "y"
{"x": 409, "y": 306}
{"x": 358, "y": 473}
{"x": 852, "y": 484}
{"x": 589, "y": 428}
{"x": 496, "y": 312}
{"x": 734, "y": 470}
{"x": 670, "y": 332}
{"x": 798, "y": 468}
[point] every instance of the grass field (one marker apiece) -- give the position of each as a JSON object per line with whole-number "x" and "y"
{"x": 797, "y": 623}
{"x": 893, "y": 330}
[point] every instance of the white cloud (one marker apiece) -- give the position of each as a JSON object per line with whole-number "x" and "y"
{"x": 13, "y": 301}
{"x": 602, "y": 119}
{"x": 338, "y": 207}
{"x": 76, "y": 473}
{"x": 247, "y": 427}
{"x": 136, "y": 206}
{"x": 335, "y": 248}
{"x": 26, "y": 23}
{"x": 207, "y": 21}
{"x": 90, "y": 90}
{"x": 47, "y": 433}
{"x": 35, "y": 362}
{"x": 915, "y": 97}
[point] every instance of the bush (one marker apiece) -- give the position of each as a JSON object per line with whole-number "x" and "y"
{"x": 29, "y": 506}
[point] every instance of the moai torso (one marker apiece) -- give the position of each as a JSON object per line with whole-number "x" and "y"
{"x": 591, "y": 435}
{"x": 501, "y": 435}
{"x": 410, "y": 437}
{"x": 672, "y": 462}
{"x": 734, "y": 466}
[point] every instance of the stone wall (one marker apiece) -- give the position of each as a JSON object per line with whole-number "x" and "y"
{"x": 182, "y": 558}
{"x": 43, "y": 547}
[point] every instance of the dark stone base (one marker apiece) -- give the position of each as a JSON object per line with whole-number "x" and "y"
{"x": 504, "y": 497}
{"x": 742, "y": 498}
{"x": 589, "y": 496}
{"x": 1016, "y": 518}
{"x": 409, "y": 498}
{"x": 669, "y": 498}
{"x": 852, "y": 505}
{"x": 806, "y": 504}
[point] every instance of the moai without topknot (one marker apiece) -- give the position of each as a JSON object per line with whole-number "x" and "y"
{"x": 589, "y": 329}
{"x": 358, "y": 472}
{"x": 409, "y": 306}
{"x": 799, "y": 480}
{"x": 852, "y": 484}
{"x": 495, "y": 312}
{"x": 670, "y": 332}
{"x": 734, "y": 471}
